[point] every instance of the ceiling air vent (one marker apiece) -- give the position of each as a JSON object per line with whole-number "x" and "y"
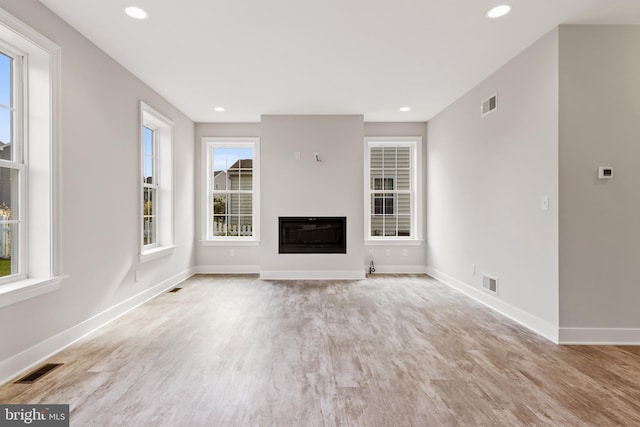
{"x": 490, "y": 284}
{"x": 489, "y": 105}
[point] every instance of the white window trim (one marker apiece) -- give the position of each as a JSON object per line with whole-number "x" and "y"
{"x": 42, "y": 199}
{"x": 19, "y": 159}
{"x": 25, "y": 289}
{"x": 415, "y": 142}
{"x": 207, "y": 237}
{"x": 155, "y": 185}
{"x": 164, "y": 132}
{"x": 156, "y": 252}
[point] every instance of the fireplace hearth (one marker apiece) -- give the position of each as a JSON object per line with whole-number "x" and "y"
{"x": 312, "y": 235}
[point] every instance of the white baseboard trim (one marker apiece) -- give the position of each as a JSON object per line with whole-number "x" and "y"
{"x": 399, "y": 269}
{"x": 528, "y": 320}
{"x": 29, "y": 358}
{"x": 227, "y": 269}
{"x": 600, "y": 336}
{"x": 312, "y": 275}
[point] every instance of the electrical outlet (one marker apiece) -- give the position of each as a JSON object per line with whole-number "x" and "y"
{"x": 473, "y": 269}
{"x": 232, "y": 252}
{"x": 296, "y": 155}
{"x": 405, "y": 252}
{"x": 605, "y": 172}
{"x": 370, "y": 252}
{"x": 388, "y": 252}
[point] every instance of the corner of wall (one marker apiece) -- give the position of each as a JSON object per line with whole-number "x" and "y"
{"x": 531, "y": 322}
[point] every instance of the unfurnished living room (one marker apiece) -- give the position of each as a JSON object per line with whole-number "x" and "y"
{"x": 336, "y": 213}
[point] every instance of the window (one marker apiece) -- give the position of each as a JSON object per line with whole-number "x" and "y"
{"x": 29, "y": 176}
{"x": 157, "y": 184}
{"x": 392, "y": 196}
{"x": 150, "y": 187}
{"x": 231, "y": 176}
{"x": 12, "y": 167}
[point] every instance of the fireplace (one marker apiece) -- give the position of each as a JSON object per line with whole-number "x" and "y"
{"x": 312, "y": 235}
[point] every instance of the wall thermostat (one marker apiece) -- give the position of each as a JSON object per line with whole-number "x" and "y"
{"x": 605, "y": 172}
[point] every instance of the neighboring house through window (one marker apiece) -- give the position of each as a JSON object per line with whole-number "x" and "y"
{"x": 29, "y": 175}
{"x": 230, "y": 174}
{"x": 220, "y": 180}
{"x": 392, "y": 197}
{"x": 157, "y": 184}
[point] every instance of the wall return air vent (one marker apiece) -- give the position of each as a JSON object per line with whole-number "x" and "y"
{"x": 489, "y": 105}
{"x": 490, "y": 284}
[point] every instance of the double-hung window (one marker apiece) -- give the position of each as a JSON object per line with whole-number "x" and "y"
{"x": 12, "y": 166}
{"x": 157, "y": 237}
{"x": 29, "y": 174}
{"x": 391, "y": 192}
{"x": 231, "y": 170}
{"x": 149, "y": 187}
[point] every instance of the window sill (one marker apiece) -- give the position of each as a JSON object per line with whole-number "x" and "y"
{"x": 155, "y": 253}
{"x": 230, "y": 242}
{"x": 25, "y": 289}
{"x": 394, "y": 242}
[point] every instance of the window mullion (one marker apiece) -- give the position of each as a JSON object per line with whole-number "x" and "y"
{"x": 12, "y": 165}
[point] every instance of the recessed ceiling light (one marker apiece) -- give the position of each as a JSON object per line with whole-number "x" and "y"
{"x": 499, "y": 11}
{"x": 219, "y": 109}
{"x": 405, "y": 109}
{"x": 136, "y": 12}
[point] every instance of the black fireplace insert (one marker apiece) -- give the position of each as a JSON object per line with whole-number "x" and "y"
{"x": 312, "y": 235}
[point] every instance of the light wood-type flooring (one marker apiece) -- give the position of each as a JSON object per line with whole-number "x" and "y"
{"x": 391, "y": 350}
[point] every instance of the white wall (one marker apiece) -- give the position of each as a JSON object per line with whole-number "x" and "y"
{"x": 391, "y": 258}
{"x": 332, "y": 187}
{"x": 100, "y": 179}
{"x": 219, "y": 259}
{"x": 486, "y": 177}
{"x": 599, "y": 220}
{"x": 247, "y": 258}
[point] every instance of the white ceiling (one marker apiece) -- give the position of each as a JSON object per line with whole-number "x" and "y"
{"x": 366, "y": 57}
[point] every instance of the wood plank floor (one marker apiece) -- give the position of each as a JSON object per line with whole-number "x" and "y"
{"x": 391, "y": 350}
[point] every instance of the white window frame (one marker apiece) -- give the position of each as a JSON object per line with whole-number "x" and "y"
{"x": 151, "y": 186}
{"x": 39, "y": 132}
{"x": 164, "y": 209}
{"x": 208, "y": 143}
{"x": 18, "y": 162}
{"x": 415, "y": 190}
